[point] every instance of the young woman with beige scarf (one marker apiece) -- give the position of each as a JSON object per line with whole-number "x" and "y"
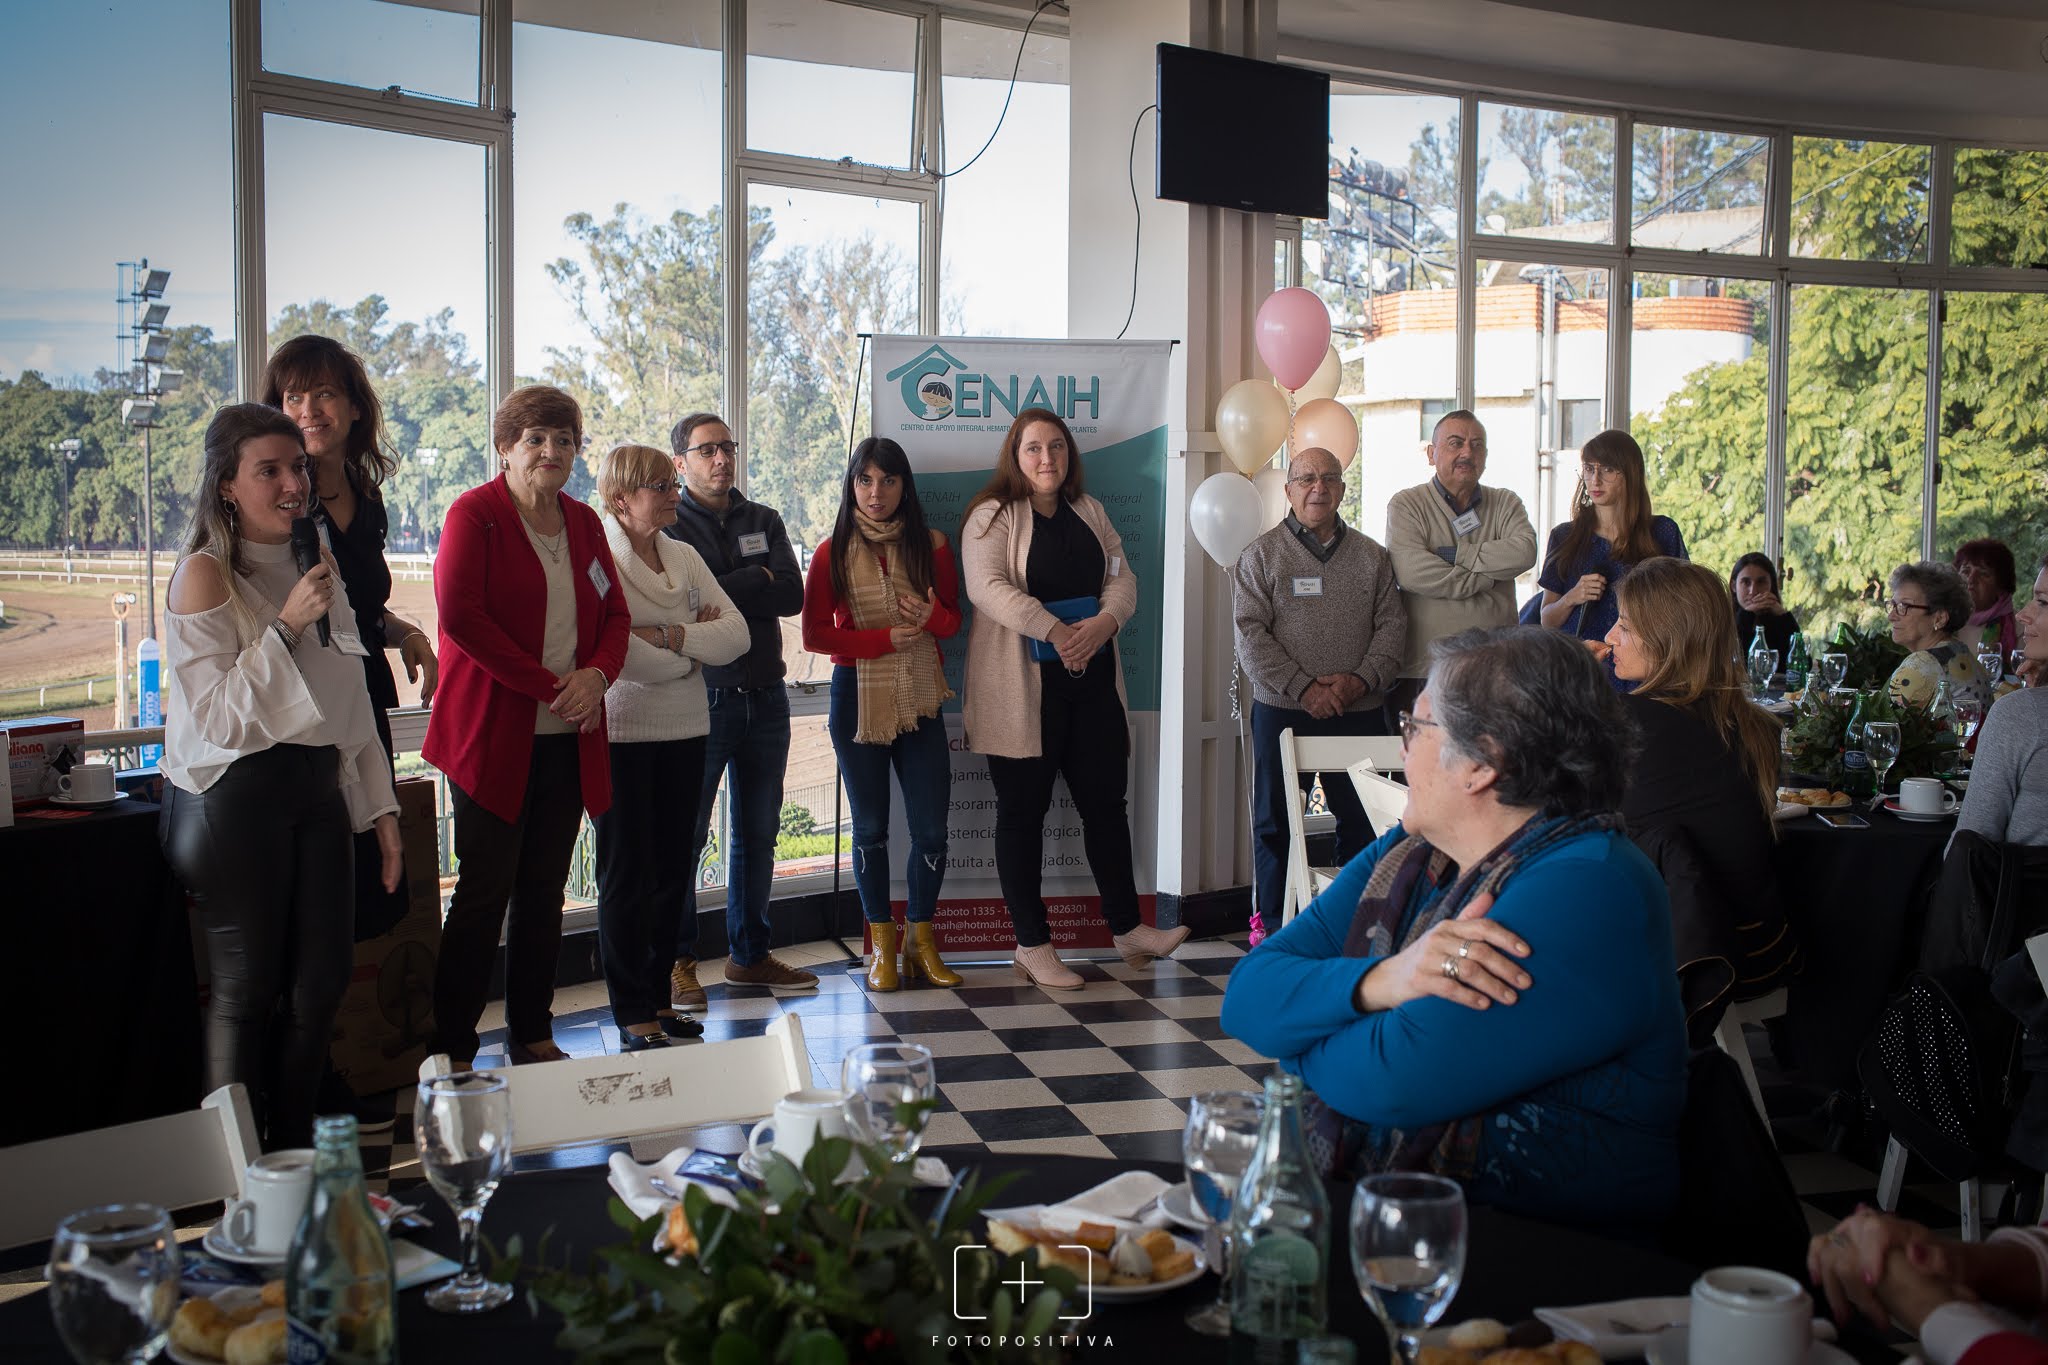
{"x": 880, "y": 595}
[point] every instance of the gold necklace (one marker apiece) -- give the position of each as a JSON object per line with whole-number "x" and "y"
{"x": 555, "y": 549}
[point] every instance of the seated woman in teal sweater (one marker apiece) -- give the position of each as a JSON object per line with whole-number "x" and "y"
{"x": 1488, "y": 991}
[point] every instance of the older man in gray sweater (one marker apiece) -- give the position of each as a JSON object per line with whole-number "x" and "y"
{"x": 1320, "y": 630}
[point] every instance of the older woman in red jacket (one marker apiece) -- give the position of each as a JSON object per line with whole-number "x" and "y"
{"x": 533, "y": 630}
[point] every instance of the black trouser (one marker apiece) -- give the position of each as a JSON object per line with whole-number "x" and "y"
{"x": 520, "y": 867}
{"x": 643, "y": 874}
{"x": 1083, "y": 738}
{"x": 265, "y": 852}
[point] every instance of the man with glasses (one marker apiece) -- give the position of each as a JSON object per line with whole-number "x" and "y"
{"x": 748, "y": 549}
{"x": 1319, "y": 631}
{"x": 1457, "y": 548}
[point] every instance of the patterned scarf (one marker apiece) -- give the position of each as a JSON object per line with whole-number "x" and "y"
{"x": 1408, "y": 886}
{"x": 898, "y": 689}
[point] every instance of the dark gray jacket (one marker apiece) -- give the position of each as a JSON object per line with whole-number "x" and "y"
{"x": 761, "y": 578}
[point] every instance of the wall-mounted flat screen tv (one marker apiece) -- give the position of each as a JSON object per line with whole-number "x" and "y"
{"x": 1243, "y": 134}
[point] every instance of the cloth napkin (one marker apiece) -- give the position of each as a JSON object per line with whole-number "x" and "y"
{"x": 1130, "y": 1200}
{"x": 1625, "y": 1329}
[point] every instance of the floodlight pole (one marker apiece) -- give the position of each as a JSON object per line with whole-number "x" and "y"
{"x": 148, "y": 539}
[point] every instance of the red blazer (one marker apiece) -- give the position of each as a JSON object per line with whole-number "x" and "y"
{"x": 828, "y": 625}
{"x": 492, "y": 600}
{"x": 2006, "y": 1348}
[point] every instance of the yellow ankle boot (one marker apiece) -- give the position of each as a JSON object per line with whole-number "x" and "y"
{"x": 882, "y": 968}
{"x": 921, "y": 958}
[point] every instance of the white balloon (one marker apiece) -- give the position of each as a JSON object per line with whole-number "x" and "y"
{"x": 1323, "y": 383}
{"x": 1224, "y": 515}
{"x": 1272, "y": 485}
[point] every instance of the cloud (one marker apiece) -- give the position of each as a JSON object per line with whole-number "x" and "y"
{"x": 39, "y": 357}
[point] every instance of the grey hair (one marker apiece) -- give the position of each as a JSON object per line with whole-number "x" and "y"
{"x": 1534, "y": 706}
{"x": 1946, "y": 594}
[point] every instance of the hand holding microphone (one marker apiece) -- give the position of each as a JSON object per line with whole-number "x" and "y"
{"x": 306, "y": 554}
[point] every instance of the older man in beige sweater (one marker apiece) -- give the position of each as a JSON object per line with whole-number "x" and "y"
{"x": 1319, "y": 630}
{"x": 1457, "y": 548}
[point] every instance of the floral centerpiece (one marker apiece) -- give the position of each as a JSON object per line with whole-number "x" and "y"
{"x": 807, "y": 1271}
{"x": 1873, "y": 656}
{"x": 1928, "y": 746}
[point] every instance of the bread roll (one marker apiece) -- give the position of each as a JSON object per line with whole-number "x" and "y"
{"x": 199, "y": 1328}
{"x": 259, "y": 1343}
{"x": 1479, "y": 1334}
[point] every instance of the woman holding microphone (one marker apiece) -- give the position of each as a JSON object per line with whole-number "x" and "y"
{"x": 271, "y": 759}
{"x": 533, "y": 630}
{"x": 1045, "y": 691}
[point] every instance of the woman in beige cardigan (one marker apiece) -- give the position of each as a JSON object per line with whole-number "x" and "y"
{"x": 1046, "y": 574}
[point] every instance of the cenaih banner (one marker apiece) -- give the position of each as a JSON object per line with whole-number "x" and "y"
{"x": 948, "y": 401}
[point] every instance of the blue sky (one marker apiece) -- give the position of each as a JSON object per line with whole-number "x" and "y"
{"x": 120, "y": 147}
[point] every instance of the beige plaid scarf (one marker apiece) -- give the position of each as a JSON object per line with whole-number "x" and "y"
{"x": 898, "y": 689}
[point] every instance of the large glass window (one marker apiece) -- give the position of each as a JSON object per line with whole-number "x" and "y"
{"x": 1699, "y": 190}
{"x": 830, "y": 81}
{"x": 2000, "y": 213}
{"x": 1994, "y": 425}
{"x": 1543, "y": 173}
{"x": 1003, "y": 270}
{"x": 1856, "y": 200}
{"x": 430, "y": 49}
{"x": 1855, "y": 443}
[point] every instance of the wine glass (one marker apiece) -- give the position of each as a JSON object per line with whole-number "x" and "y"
{"x": 114, "y": 1282}
{"x": 1969, "y": 717}
{"x": 1992, "y": 660}
{"x": 1881, "y": 742}
{"x": 882, "y": 1081}
{"x": 462, "y": 1125}
{"x": 1762, "y": 663}
{"x": 1408, "y": 1251}
{"x": 1833, "y": 668}
{"x": 1217, "y": 1143}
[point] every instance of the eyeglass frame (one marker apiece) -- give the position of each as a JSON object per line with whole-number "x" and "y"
{"x": 1601, "y": 472}
{"x": 730, "y": 449}
{"x": 665, "y": 486}
{"x": 1895, "y": 607}
{"x": 1308, "y": 481}
{"x": 1408, "y": 723}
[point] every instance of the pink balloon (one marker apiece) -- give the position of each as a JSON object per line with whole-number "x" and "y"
{"x": 1329, "y": 424}
{"x": 1293, "y": 335}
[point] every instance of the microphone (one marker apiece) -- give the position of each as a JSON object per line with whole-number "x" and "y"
{"x": 305, "y": 554}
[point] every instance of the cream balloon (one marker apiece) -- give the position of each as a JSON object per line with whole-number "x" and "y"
{"x": 1224, "y": 515}
{"x": 1272, "y": 485}
{"x": 1251, "y": 422}
{"x": 1323, "y": 383}
{"x": 1329, "y": 424}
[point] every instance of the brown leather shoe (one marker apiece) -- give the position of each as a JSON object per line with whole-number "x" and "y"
{"x": 1144, "y": 943}
{"x": 683, "y": 991}
{"x": 769, "y": 971}
{"x": 921, "y": 958}
{"x": 882, "y": 966}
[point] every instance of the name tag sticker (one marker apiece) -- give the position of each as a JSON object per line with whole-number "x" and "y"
{"x": 349, "y": 643}
{"x": 1116, "y": 565}
{"x": 1466, "y": 522}
{"x": 1309, "y": 587}
{"x": 696, "y": 599}
{"x": 754, "y": 544}
{"x": 599, "y": 579}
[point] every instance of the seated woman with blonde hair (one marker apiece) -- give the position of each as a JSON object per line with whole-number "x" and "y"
{"x": 1703, "y": 785}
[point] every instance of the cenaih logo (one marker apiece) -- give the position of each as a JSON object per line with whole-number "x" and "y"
{"x": 937, "y": 385}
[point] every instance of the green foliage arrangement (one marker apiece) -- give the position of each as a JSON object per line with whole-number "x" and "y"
{"x": 1873, "y": 657}
{"x": 1928, "y": 746}
{"x": 806, "y": 1272}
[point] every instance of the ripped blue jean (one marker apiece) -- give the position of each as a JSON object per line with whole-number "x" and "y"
{"x": 924, "y": 769}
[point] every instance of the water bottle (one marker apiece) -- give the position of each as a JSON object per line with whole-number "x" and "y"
{"x": 339, "y": 1292}
{"x": 1798, "y": 664}
{"x": 1280, "y": 1239}
{"x": 1759, "y": 648}
{"x": 1859, "y": 780}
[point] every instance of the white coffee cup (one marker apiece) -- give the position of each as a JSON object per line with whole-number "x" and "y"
{"x": 1742, "y": 1314}
{"x": 1926, "y": 796}
{"x": 275, "y": 1190}
{"x": 801, "y": 1117}
{"x": 87, "y": 782}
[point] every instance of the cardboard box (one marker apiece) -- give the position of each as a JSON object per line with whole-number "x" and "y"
{"x": 39, "y": 748}
{"x": 387, "y": 1016}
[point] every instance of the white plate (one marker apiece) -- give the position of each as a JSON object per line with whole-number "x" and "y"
{"x": 1133, "y": 1293}
{"x": 1896, "y": 809}
{"x": 232, "y": 1297}
{"x": 1178, "y": 1203}
{"x": 221, "y": 1249}
{"x": 62, "y": 800}
{"x": 1671, "y": 1348}
{"x": 1791, "y": 810}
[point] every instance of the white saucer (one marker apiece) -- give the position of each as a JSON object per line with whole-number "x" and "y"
{"x": 1178, "y": 1203}
{"x": 221, "y": 1249}
{"x": 61, "y": 800}
{"x": 1670, "y": 1348}
{"x": 1896, "y": 809}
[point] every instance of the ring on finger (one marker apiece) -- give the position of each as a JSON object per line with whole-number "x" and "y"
{"x": 1450, "y": 966}
{"x": 1465, "y": 948}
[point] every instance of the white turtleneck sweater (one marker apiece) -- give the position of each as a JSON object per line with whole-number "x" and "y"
{"x": 660, "y": 695}
{"x": 236, "y": 690}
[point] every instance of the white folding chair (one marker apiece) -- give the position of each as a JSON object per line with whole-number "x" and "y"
{"x": 1384, "y": 799}
{"x": 1728, "y": 1036}
{"x": 1324, "y": 754}
{"x": 175, "y": 1162}
{"x": 614, "y": 1098}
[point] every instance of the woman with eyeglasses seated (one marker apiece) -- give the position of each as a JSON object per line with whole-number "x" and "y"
{"x": 656, "y": 717}
{"x": 1612, "y": 531}
{"x": 533, "y": 629}
{"x": 1703, "y": 787}
{"x": 1754, "y": 586}
{"x": 1486, "y": 992}
{"x": 1992, "y": 576}
{"x": 1929, "y": 605}
{"x": 2008, "y": 797}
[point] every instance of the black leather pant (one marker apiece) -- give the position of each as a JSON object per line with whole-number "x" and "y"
{"x": 266, "y": 855}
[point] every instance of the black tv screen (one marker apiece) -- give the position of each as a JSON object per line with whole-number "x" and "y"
{"x": 1243, "y": 134}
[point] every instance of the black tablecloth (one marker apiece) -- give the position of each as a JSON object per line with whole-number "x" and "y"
{"x": 1856, "y": 898}
{"x": 1514, "y": 1266}
{"x": 98, "y": 995}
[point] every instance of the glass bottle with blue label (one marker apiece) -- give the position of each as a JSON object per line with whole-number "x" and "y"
{"x": 338, "y": 1286}
{"x": 1280, "y": 1238}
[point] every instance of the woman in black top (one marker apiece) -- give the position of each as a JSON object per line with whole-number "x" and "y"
{"x": 1704, "y": 784}
{"x": 1754, "y": 586}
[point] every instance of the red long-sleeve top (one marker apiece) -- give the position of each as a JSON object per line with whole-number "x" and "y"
{"x": 828, "y": 624}
{"x": 492, "y": 599}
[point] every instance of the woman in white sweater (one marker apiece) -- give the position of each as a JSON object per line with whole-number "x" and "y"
{"x": 657, "y": 718}
{"x": 271, "y": 758}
